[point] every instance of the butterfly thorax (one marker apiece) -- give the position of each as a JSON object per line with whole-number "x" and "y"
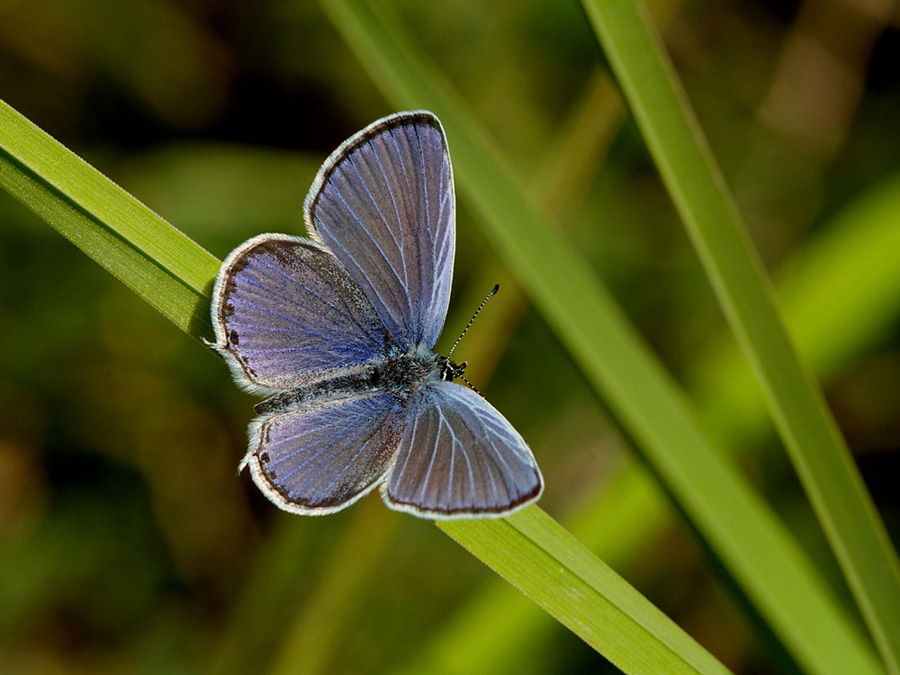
{"x": 404, "y": 373}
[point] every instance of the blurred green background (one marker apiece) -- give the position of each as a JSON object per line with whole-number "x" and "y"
{"x": 128, "y": 543}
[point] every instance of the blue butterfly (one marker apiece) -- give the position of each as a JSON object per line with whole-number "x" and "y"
{"x": 339, "y": 330}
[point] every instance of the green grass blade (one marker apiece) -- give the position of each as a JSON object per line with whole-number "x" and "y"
{"x": 139, "y": 248}
{"x": 533, "y": 552}
{"x": 847, "y": 270}
{"x": 847, "y": 265}
{"x": 59, "y": 184}
{"x": 744, "y": 533}
{"x": 156, "y": 260}
{"x": 614, "y": 528}
{"x": 820, "y": 456}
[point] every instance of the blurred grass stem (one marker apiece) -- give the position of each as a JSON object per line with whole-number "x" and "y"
{"x": 816, "y": 447}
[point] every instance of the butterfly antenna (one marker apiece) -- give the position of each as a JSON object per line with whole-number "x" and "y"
{"x": 471, "y": 386}
{"x": 469, "y": 325}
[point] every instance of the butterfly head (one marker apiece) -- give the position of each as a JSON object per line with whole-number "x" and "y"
{"x": 449, "y": 370}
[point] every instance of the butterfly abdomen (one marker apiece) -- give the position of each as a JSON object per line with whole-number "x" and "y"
{"x": 336, "y": 388}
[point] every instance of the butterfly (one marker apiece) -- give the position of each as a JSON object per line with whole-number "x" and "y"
{"x": 339, "y": 328}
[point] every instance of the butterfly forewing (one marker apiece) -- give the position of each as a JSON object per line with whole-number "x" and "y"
{"x": 323, "y": 458}
{"x": 383, "y": 203}
{"x": 459, "y": 456}
{"x": 286, "y": 311}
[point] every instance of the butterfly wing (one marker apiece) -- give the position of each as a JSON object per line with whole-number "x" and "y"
{"x": 383, "y": 203}
{"x": 322, "y": 458}
{"x": 286, "y": 314}
{"x": 459, "y": 457}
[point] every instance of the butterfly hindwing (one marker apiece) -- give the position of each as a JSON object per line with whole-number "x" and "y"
{"x": 323, "y": 457}
{"x": 384, "y": 204}
{"x": 458, "y": 457}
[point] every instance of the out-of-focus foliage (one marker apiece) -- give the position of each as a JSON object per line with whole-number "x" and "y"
{"x": 127, "y": 543}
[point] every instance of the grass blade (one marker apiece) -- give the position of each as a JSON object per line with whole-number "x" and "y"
{"x": 518, "y": 630}
{"x": 820, "y": 456}
{"x": 753, "y": 545}
{"x": 157, "y": 261}
{"x": 846, "y": 270}
{"x": 843, "y": 264}
{"x": 534, "y": 553}
{"x": 174, "y": 274}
